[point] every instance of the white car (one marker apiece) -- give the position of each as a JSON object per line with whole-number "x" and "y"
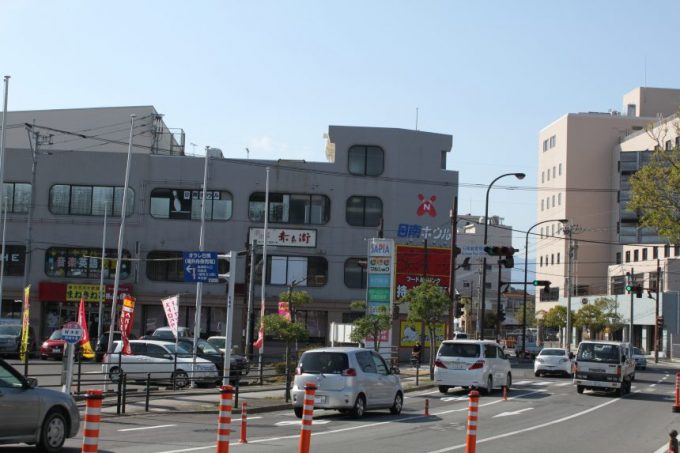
{"x": 553, "y": 360}
{"x": 478, "y": 364}
{"x": 157, "y": 358}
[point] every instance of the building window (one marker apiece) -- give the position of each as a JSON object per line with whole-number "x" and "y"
{"x": 89, "y": 200}
{"x": 644, "y": 254}
{"x": 553, "y": 230}
{"x": 552, "y": 259}
{"x": 185, "y": 204}
{"x": 541, "y": 262}
{"x": 363, "y": 211}
{"x": 636, "y": 255}
{"x": 542, "y": 176}
{"x": 355, "y": 273}
{"x": 677, "y": 250}
{"x": 545, "y": 145}
{"x": 74, "y": 262}
{"x": 166, "y": 266}
{"x": 18, "y": 197}
{"x": 301, "y": 270}
{"x": 553, "y": 172}
{"x": 553, "y": 201}
{"x": 618, "y": 257}
{"x": 553, "y": 141}
{"x": 655, "y": 253}
{"x": 559, "y": 170}
{"x": 558, "y": 258}
{"x": 559, "y": 199}
{"x": 548, "y": 174}
{"x": 631, "y": 109}
{"x": 303, "y": 209}
{"x": 627, "y": 256}
{"x": 669, "y": 145}
{"x": 667, "y": 251}
{"x": 366, "y": 160}
{"x": 677, "y": 141}
{"x": 15, "y": 258}
{"x": 541, "y": 233}
{"x": 541, "y": 204}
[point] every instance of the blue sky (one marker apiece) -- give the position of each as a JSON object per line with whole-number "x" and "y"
{"x": 272, "y": 75}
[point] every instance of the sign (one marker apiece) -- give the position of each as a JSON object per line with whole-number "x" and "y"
{"x": 23, "y": 349}
{"x": 126, "y": 317}
{"x": 87, "y": 352}
{"x": 72, "y": 333}
{"x": 379, "y": 277}
{"x": 200, "y": 267}
{"x": 412, "y": 266}
{"x": 472, "y": 250}
{"x": 171, "y": 307}
{"x": 409, "y": 333}
{"x": 284, "y": 237}
{"x": 90, "y": 293}
{"x": 284, "y": 310}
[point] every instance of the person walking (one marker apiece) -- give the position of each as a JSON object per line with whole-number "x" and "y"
{"x": 416, "y": 353}
{"x": 673, "y": 442}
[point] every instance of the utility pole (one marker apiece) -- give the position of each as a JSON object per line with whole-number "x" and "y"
{"x": 656, "y": 311}
{"x": 569, "y": 229}
{"x": 453, "y": 308}
{"x": 631, "y": 325}
{"x": 498, "y": 300}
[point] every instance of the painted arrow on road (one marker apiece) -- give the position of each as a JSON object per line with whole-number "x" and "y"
{"x": 505, "y": 414}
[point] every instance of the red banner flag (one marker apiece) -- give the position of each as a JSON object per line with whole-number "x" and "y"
{"x": 88, "y": 353}
{"x": 260, "y": 337}
{"x": 126, "y": 317}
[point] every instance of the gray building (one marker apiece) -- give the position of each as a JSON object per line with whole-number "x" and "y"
{"x": 330, "y": 208}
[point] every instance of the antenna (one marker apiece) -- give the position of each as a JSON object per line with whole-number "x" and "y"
{"x": 247, "y": 153}
{"x": 645, "y": 69}
{"x": 416, "y": 118}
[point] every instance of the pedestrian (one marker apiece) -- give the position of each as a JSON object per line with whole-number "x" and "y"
{"x": 673, "y": 442}
{"x": 416, "y": 353}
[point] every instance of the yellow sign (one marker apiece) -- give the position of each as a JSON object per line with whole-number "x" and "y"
{"x": 23, "y": 350}
{"x": 409, "y": 333}
{"x": 89, "y": 293}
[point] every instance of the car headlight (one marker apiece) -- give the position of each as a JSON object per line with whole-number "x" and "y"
{"x": 44, "y": 345}
{"x": 539, "y": 360}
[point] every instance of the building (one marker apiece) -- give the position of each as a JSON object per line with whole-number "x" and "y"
{"x": 321, "y": 212}
{"x": 585, "y": 160}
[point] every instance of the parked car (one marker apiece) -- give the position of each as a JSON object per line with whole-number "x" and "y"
{"x": 54, "y": 346}
{"x": 103, "y": 344}
{"x": 10, "y": 339}
{"x": 350, "y": 380}
{"x": 34, "y": 415}
{"x": 471, "y": 363}
{"x": 238, "y": 365}
{"x": 553, "y": 360}
{"x": 166, "y": 333}
{"x": 640, "y": 357}
{"x": 460, "y": 336}
{"x": 158, "y": 359}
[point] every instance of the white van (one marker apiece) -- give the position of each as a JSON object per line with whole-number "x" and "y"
{"x": 471, "y": 363}
{"x": 604, "y": 366}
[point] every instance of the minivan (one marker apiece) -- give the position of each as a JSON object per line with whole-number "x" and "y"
{"x": 480, "y": 364}
{"x": 351, "y": 380}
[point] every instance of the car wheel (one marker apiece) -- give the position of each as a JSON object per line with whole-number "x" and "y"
{"x": 621, "y": 390}
{"x": 114, "y": 374}
{"x": 489, "y": 386}
{"x": 398, "y": 404}
{"x": 181, "y": 379}
{"x": 52, "y": 433}
{"x": 43, "y": 357}
{"x": 359, "y": 407}
{"x": 579, "y": 389}
{"x": 443, "y": 389}
{"x": 537, "y": 373}
{"x": 298, "y": 412}
{"x": 508, "y": 381}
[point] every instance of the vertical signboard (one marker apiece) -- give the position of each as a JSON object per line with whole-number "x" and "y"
{"x": 380, "y": 278}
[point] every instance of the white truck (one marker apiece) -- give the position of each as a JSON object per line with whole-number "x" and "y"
{"x": 603, "y": 366}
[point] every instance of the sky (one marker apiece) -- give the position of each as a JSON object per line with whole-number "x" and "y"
{"x": 272, "y": 75}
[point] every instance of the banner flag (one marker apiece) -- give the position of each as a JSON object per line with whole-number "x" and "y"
{"x": 126, "y": 317}
{"x": 23, "y": 349}
{"x": 171, "y": 307}
{"x": 86, "y": 351}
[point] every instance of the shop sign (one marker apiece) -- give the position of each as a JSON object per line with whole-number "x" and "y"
{"x": 90, "y": 293}
{"x": 409, "y": 333}
{"x": 284, "y": 237}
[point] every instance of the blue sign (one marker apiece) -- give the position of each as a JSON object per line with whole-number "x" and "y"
{"x": 200, "y": 267}
{"x": 72, "y": 332}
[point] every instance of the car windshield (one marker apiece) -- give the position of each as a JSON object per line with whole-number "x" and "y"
{"x": 469, "y": 350}
{"x": 552, "y": 352}
{"x": 206, "y": 347}
{"x": 10, "y": 330}
{"x": 216, "y": 342}
{"x": 324, "y": 362}
{"x": 638, "y": 351}
{"x": 592, "y": 352}
{"x": 180, "y": 349}
{"x": 56, "y": 335}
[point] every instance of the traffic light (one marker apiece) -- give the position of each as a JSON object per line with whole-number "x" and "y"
{"x": 544, "y": 283}
{"x": 507, "y": 252}
{"x": 659, "y": 322}
{"x": 459, "y": 307}
{"x": 501, "y": 313}
{"x": 637, "y": 289}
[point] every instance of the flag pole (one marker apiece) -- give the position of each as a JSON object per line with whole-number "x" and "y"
{"x": 264, "y": 270}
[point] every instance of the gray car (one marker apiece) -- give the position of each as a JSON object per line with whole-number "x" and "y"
{"x": 351, "y": 380}
{"x": 34, "y": 415}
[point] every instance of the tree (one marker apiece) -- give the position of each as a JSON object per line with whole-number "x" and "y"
{"x": 288, "y": 331}
{"x": 655, "y": 188}
{"x": 531, "y": 317}
{"x": 428, "y": 304}
{"x": 556, "y": 317}
{"x": 590, "y": 317}
{"x": 370, "y": 325}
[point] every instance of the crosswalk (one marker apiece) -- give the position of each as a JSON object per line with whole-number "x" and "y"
{"x": 542, "y": 383}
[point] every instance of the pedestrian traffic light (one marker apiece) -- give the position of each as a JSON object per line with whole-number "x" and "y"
{"x": 505, "y": 251}
{"x": 659, "y": 322}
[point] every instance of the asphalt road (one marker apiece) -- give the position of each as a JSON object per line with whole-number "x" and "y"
{"x": 541, "y": 414}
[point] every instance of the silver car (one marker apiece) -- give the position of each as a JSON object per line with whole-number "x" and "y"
{"x": 34, "y": 415}
{"x": 351, "y": 380}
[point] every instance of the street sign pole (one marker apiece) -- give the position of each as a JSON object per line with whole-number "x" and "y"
{"x": 229, "y": 322}
{"x": 72, "y": 332}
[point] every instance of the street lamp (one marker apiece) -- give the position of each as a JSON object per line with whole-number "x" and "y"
{"x": 486, "y": 228}
{"x": 526, "y": 258}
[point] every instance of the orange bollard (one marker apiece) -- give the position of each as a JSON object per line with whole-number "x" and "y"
{"x": 427, "y": 407}
{"x": 505, "y": 393}
{"x": 224, "y": 419}
{"x": 93, "y": 411}
{"x": 307, "y": 417}
{"x": 244, "y": 422}
{"x": 471, "y": 438}
{"x": 676, "y": 406}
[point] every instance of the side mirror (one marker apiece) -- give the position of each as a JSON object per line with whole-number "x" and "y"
{"x": 32, "y": 382}
{"x": 168, "y": 356}
{"x": 394, "y": 370}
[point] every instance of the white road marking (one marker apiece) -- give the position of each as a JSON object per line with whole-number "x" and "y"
{"x": 454, "y": 398}
{"x": 505, "y": 414}
{"x": 652, "y": 385}
{"x": 298, "y": 422}
{"x": 523, "y": 382}
{"x": 564, "y": 384}
{"x": 144, "y": 427}
{"x": 532, "y": 428}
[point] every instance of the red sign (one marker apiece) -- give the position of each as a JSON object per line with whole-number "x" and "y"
{"x": 126, "y": 317}
{"x": 412, "y": 267}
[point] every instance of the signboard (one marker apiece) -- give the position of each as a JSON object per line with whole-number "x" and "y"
{"x": 200, "y": 267}
{"x": 23, "y": 348}
{"x": 380, "y": 274}
{"x": 90, "y": 293}
{"x": 284, "y": 310}
{"x": 171, "y": 307}
{"x": 72, "y": 333}
{"x": 472, "y": 250}
{"x": 409, "y": 333}
{"x": 284, "y": 237}
{"x": 413, "y": 267}
{"x": 126, "y": 317}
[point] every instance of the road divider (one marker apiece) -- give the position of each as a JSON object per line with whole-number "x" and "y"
{"x": 224, "y": 419}
{"x": 93, "y": 416}
{"x": 471, "y": 438}
{"x": 307, "y": 418}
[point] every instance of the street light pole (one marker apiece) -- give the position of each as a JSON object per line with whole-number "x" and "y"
{"x": 486, "y": 228}
{"x": 3, "y": 203}
{"x": 526, "y": 259}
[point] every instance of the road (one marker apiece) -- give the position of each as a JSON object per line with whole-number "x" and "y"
{"x": 540, "y": 414}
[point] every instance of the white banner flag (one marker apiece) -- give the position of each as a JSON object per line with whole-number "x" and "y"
{"x": 171, "y": 307}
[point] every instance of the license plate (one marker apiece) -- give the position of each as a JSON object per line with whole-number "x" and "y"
{"x": 56, "y": 350}
{"x": 319, "y": 399}
{"x": 458, "y": 365}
